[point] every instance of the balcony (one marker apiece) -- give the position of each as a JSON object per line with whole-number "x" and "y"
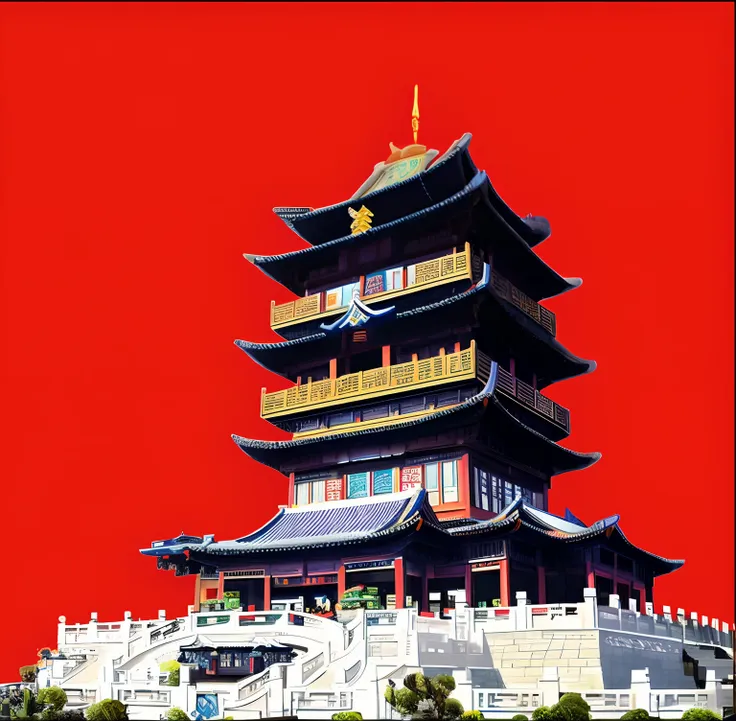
{"x": 413, "y": 278}
{"x": 365, "y": 385}
{"x": 545, "y": 318}
{"x": 527, "y": 396}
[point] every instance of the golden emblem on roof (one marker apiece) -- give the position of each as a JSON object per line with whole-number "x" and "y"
{"x": 361, "y": 220}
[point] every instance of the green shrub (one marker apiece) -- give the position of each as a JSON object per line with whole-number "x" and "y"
{"x": 519, "y": 717}
{"x": 636, "y": 714}
{"x": 453, "y": 709}
{"x": 543, "y": 713}
{"x": 28, "y": 673}
{"x": 472, "y": 716}
{"x": 53, "y": 696}
{"x": 574, "y": 699}
{"x": 347, "y": 716}
{"x": 50, "y": 714}
{"x": 177, "y": 714}
{"x": 700, "y": 714}
{"x": 107, "y": 710}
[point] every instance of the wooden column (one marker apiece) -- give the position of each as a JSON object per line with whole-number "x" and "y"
{"x": 399, "y": 582}
{"x": 463, "y": 483}
{"x": 541, "y": 585}
{"x": 292, "y": 490}
{"x": 589, "y": 574}
{"x": 643, "y": 599}
{"x": 386, "y": 356}
{"x": 197, "y": 592}
{"x": 340, "y": 581}
{"x": 425, "y": 591}
{"x": 505, "y": 582}
{"x": 267, "y": 593}
{"x": 221, "y": 586}
{"x": 468, "y": 585}
{"x": 333, "y": 368}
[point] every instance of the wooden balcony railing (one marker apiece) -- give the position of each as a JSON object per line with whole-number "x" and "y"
{"x": 372, "y": 383}
{"x": 545, "y": 318}
{"x": 426, "y": 275}
{"x": 531, "y": 398}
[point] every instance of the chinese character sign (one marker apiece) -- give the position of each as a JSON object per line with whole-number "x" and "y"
{"x": 411, "y": 478}
{"x": 333, "y": 489}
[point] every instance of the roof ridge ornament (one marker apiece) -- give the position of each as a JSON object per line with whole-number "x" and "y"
{"x": 361, "y": 220}
{"x": 357, "y": 314}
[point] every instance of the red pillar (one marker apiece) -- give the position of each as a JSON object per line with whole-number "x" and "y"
{"x": 399, "y": 582}
{"x": 643, "y": 600}
{"x": 589, "y": 570}
{"x": 505, "y": 584}
{"x": 340, "y": 582}
{"x": 221, "y": 586}
{"x": 468, "y": 585}
{"x": 267, "y": 593}
{"x": 425, "y": 592}
{"x": 333, "y": 368}
{"x": 541, "y": 585}
{"x": 463, "y": 482}
{"x": 197, "y": 592}
{"x": 386, "y": 356}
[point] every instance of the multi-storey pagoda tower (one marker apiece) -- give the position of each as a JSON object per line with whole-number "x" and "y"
{"x": 423, "y": 443}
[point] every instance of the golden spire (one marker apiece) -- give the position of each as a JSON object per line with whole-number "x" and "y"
{"x": 415, "y": 114}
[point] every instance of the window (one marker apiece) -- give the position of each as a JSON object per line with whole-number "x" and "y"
{"x": 318, "y": 491}
{"x": 226, "y": 660}
{"x": 449, "y": 482}
{"x": 339, "y": 297}
{"x": 302, "y": 494}
{"x": 377, "y": 412}
{"x": 339, "y": 419}
{"x": 492, "y": 493}
{"x": 440, "y": 482}
{"x": 481, "y": 488}
{"x": 431, "y": 483}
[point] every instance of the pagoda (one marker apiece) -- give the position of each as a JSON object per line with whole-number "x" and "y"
{"x": 423, "y": 444}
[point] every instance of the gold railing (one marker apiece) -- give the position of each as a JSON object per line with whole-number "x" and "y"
{"x": 533, "y": 399}
{"x": 427, "y": 275}
{"x": 372, "y": 383}
{"x": 545, "y": 318}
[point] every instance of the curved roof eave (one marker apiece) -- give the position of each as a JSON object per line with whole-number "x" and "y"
{"x": 437, "y": 164}
{"x": 533, "y": 229}
{"x": 567, "y": 460}
{"x": 555, "y": 284}
{"x": 259, "y": 352}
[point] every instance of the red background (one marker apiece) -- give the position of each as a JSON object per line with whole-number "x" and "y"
{"x": 142, "y": 149}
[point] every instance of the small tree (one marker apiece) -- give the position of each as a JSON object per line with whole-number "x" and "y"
{"x": 571, "y": 707}
{"x": 542, "y": 713}
{"x": 107, "y": 710}
{"x": 472, "y": 716}
{"x": 347, "y": 716}
{"x": 53, "y": 696}
{"x": 174, "y": 670}
{"x": 425, "y": 698}
{"x": 700, "y": 714}
{"x": 519, "y": 717}
{"x": 27, "y": 673}
{"x": 636, "y": 714}
{"x": 177, "y": 714}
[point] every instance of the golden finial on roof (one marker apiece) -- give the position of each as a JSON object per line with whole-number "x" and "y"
{"x": 415, "y": 114}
